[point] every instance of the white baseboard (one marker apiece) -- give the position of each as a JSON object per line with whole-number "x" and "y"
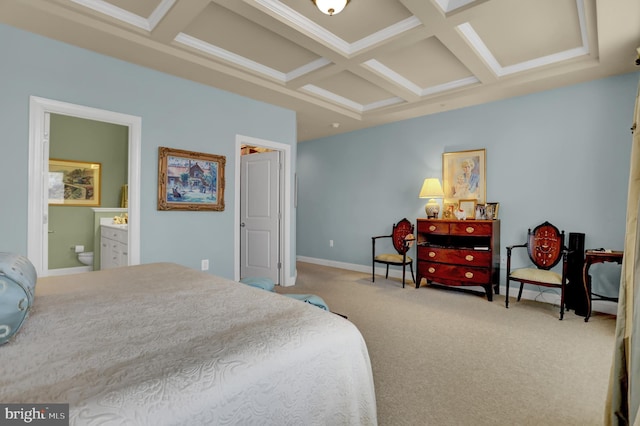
{"x": 545, "y": 295}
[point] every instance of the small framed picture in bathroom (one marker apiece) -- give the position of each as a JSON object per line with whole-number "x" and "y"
{"x": 74, "y": 183}
{"x": 190, "y": 180}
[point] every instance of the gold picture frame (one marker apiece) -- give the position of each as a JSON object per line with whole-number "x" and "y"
{"x": 74, "y": 183}
{"x": 464, "y": 175}
{"x": 190, "y": 180}
{"x": 449, "y": 209}
{"x": 469, "y": 208}
{"x": 491, "y": 210}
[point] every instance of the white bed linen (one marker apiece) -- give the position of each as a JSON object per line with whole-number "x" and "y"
{"x": 164, "y": 344}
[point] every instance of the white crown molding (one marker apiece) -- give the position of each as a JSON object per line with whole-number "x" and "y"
{"x": 299, "y": 22}
{"x": 449, "y": 86}
{"x": 398, "y": 79}
{"x": 474, "y": 39}
{"x": 383, "y": 103}
{"x": 349, "y": 103}
{"x": 392, "y": 76}
{"x": 128, "y": 17}
{"x": 160, "y": 11}
{"x": 333, "y": 97}
{"x": 305, "y": 69}
{"x": 451, "y": 5}
{"x": 223, "y": 54}
{"x": 305, "y": 25}
{"x": 384, "y": 34}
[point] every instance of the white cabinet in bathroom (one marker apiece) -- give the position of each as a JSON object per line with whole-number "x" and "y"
{"x": 114, "y": 252}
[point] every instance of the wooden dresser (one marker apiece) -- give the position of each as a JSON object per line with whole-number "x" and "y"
{"x": 459, "y": 253}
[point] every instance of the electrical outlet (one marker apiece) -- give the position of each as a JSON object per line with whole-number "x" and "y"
{"x": 204, "y": 264}
{"x": 330, "y": 243}
{"x": 503, "y": 260}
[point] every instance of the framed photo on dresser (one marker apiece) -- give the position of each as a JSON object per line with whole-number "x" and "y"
{"x": 469, "y": 208}
{"x": 491, "y": 210}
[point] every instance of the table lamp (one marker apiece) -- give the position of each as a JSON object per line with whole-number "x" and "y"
{"x": 432, "y": 189}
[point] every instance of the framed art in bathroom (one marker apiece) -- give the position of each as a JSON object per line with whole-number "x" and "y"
{"x": 74, "y": 183}
{"x": 190, "y": 180}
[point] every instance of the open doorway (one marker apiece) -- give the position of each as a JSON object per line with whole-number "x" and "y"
{"x": 38, "y": 231}
{"x": 87, "y": 176}
{"x": 280, "y": 239}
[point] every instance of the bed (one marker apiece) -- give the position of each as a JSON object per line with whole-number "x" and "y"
{"x": 164, "y": 344}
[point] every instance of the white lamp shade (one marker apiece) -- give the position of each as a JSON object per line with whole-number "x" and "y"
{"x": 330, "y": 7}
{"x": 431, "y": 188}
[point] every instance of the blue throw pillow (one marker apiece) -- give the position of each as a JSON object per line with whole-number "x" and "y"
{"x": 260, "y": 282}
{"x": 311, "y": 299}
{"x": 17, "y": 286}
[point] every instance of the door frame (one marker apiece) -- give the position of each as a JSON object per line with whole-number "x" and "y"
{"x": 286, "y": 279}
{"x": 37, "y": 229}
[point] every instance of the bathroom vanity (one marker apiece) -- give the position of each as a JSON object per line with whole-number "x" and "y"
{"x": 114, "y": 241}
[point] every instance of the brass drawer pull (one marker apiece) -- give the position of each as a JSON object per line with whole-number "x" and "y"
{"x": 432, "y": 254}
{"x": 468, "y": 274}
{"x": 431, "y": 269}
{"x": 469, "y": 258}
{"x": 432, "y": 228}
{"x": 470, "y": 229}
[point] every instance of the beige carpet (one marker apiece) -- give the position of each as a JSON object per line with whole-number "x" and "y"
{"x": 447, "y": 357}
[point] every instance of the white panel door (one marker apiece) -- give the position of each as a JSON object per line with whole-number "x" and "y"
{"x": 259, "y": 215}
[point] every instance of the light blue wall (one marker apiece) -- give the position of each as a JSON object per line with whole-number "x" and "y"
{"x": 561, "y": 155}
{"x": 175, "y": 113}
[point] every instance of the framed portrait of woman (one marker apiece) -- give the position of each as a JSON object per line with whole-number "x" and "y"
{"x": 464, "y": 175}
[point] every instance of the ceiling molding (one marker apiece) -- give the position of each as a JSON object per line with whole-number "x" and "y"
{"x": 409, "y": 57}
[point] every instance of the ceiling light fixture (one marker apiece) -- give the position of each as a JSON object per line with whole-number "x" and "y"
{"x": 330, "y": 7}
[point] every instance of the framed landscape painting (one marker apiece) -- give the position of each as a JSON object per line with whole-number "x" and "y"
{"x": 74, "y": 183}
{"x": 190, "y": 180}
{"x": 464, "y": 175}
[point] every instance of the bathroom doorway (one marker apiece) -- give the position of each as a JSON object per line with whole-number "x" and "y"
{"x": 39, "y": 146}
{"x": 94, "y": 156}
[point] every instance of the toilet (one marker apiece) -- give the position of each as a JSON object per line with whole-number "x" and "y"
{"x": 86, "y": 258}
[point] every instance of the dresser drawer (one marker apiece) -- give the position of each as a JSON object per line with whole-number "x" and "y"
{"x": 463, "y": 274}
{"x": 455, "y": 256}
{"x": 427, "y": 227}
{"x": 115, "y": 234}
{"x": 469, "y": 228}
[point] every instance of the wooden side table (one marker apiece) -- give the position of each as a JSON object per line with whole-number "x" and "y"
{"x": 597, "y": 256}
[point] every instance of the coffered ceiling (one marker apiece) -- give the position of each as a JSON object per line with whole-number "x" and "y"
{"x": 376, "y": 62}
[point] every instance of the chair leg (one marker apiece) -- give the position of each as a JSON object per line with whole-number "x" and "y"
{"x": 404, "y": 268}
{"x": 520, "y": 292}
{"x": 412, "y": 276}
{"x": 387, "y": 275}
{"x": 506, "y": 296}
{"x": 373, "y": 272}
{"x": 562, "y": 303}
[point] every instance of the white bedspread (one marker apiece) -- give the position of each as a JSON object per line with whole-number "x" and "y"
{"x": 162, "y": 344}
